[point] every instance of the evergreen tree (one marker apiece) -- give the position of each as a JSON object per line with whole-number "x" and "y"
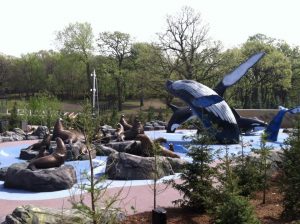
{"x": 233, "y": 207}
{"x": 291, "y": 176}
{"x": 197, "y": 177}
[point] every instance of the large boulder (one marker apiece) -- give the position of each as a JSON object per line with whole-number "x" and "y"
{"x": 10, "y": 136}
{"x": 41, "y": 131}
{"x": 103, "y": 150}
{"x": 26, "y": 154}
{"x": 33, "y": 214}
{"x": 75, "y": 151}
{"x": 40, "y": 180}
{"x": 130, "y": 146}
{"x": 124, "y": 166}
{"x": 178, "y": 165}
{"x": 3, "y": 171}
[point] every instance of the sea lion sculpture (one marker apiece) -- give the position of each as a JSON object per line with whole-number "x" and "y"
{"x": 137, "y": 128}
{"x": 148, "y": 147}
{"x": 120, "y": 133}
{"x": 56, "y": 159}
{"x": 66, "y": 135}
{"x": 124, "y": 123}
{"x": 45, "y": 143}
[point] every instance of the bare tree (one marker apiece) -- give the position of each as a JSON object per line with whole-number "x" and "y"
{"x": 186, "y": 41}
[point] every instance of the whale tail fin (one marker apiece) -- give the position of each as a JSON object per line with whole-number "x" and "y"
{"x": 173, "y": 107}
{"x": 294, "y": 110}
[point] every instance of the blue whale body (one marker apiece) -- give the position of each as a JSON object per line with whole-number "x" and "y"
{"x": 209, "y": 107}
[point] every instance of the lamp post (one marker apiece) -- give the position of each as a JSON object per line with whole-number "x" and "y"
{"x": 93, "y": 90}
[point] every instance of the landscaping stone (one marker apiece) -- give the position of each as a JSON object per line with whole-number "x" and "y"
{"x": 3, "y": 171}
{"x": 36, "y": 214}
{"x": 124, "y": 166}
{"x": 41, "y": 131}
{"x": 103, "y": 150}
{"x": 40, "y": 180}
{"x": 28, "y": 154}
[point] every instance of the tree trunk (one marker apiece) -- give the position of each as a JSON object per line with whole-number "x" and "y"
{"x": 119, "y": 92}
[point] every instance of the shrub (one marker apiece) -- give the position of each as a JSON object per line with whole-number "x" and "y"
{"x": 197, "y": 177}
{"x": 235, "y": 210}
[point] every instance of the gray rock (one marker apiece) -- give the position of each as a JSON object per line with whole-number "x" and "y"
{"x": 33, "y": 214}
{"x": 11, "y": 136}
{"x": 124, "y": 166}
{"x": 3, "y": 171}
{"x": 41, "y": 131}
{"x": 177, "y": 164}
{"x": 103, "y": 150}
{"x": 40, "y": 180}
{"x": 75, "y": 151}
{"x": 120, "y": 146}
{"x": 148, "y": 128}
{"x": 158, "y": 127}
{"x": 28, "y": 154}
{"x": 32, "y": 137}
{"x": 19, "y": 131}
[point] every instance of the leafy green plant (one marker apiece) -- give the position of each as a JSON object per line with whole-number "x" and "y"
{"x": 101, "y": 208}
{"x": 14, "y": 120}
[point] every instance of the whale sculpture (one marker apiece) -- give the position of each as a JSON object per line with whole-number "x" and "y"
{"x": 209, "y": 107}
{"x": 274, "y": 126}
{"x": 183, "y": 114}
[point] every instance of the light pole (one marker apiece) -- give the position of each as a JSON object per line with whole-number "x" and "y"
{"x": 93, "y": 90}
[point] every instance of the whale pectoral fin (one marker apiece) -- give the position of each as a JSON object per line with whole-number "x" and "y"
{"x": 206, "y": 101}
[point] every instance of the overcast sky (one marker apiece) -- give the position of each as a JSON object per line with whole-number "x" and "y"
{"x": 30, "y": 25}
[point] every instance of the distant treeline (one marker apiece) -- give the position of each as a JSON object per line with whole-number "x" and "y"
{"x": 131, "y": 70}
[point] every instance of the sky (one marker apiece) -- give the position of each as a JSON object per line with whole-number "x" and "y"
{"x": 31, "y": 25}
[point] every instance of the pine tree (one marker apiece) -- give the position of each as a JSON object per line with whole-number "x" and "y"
{"x": 291, "y": 176}
{"x": 197, "y": 177}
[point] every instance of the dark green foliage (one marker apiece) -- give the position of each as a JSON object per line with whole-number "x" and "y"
{"x": 291, "y": 176}
{"x": 249, "y": 175}
{"x": 232, "y": 208}
{"x": 150, "y": 114}
{"x": 14, "y": 121}
{"x": 235, "y": 210}
{"x": 114, "y": 118}
{"x": 197, "y": 184}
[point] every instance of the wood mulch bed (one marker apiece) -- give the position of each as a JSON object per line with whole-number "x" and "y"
{"x": 268, "y": 213}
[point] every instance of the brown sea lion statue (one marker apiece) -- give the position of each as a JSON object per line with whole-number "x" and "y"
{"x": 148, "y": 147}
{"x": 124, "y": 123}
{"x": 66, "y": 135}
{"x": 56, "y": 159}
{"x": 137, "y": 128}
{"x": 119, "y": 133}
{"x": 45, "y": 143}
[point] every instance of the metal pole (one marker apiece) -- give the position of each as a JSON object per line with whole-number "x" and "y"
{"x": 93, "y": 91}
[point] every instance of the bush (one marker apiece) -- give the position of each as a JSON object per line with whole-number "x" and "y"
{"x": 235, "y": 210}
{"x": 197, "y": 177}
